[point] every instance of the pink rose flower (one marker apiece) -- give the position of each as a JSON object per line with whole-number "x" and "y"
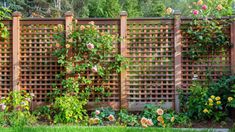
{"x": 204, "y": 7}
{"x": 3, "y": 106}
{"x": 150, "y": 122}
{"x": 94, "y": 69}
{"x": 32, "y": 94}
{"x": 28, "y": 99}
{"x": 97, "y": 112}
{"x": 195, "y": 12}
{"x": 90, "y": 46}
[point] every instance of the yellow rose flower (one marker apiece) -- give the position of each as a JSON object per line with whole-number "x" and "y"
{"x": 172, "y": 119}
{"x": 160, "y": 119}
{"x": 169, "y": 10}
{"x": 212, "y": 96}
{"x": 200, "y": 2}
{"x": 219, "y": 7}
{"x": 67, "y": 46}
{"x": 217, "y": 98}
{"x": 218, "y": 102}
{"x": 210, "y": 100}
{"x": 205, "y": 111}
{"x": 230, "y": 99}
{"x": 210, "y": 104}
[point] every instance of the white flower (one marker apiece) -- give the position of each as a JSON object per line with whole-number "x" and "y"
{"x": 90, "y": 46}
{"x": 97, "y": 112}
{"x": 94, "y": 69}
{"x": 3, "y": 106}
{"x": 32, "y": 94}
{"x": 28, "y": 99}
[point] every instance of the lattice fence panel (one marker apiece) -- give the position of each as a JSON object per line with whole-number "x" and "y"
{"x": 111, "y": 26}
{"x": 6, "y": 62}
{"x": 150, "y": 46}
{"x": 216, "y": 65}
{"x": 38, "y": 66}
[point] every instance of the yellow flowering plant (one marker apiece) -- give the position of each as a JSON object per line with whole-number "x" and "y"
{"x": 213, "y": 108}
{"x": 231, "y": 99}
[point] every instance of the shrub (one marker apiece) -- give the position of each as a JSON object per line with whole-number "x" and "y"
{"x": 200, "y": 104}
{"x": 152, "y": 8}
{"x": 69, "y": 109}
{"x": 16, "y": 109}
{"x": 127, "y": 119}
{"x": 155, "y": 115}
{"x": 104, "y": 8}
{"x": 102, "y": 116}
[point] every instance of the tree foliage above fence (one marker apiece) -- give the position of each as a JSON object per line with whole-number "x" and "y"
{"x": 106, "y": 8}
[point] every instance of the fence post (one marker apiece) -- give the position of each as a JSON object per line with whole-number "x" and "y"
{"x": 232, "y": 33}
{"x": 68, "y": 22}
{"x": 123, "y": 50}
{"x": 178, "y": 57}
{"x": 68, "y": 29}
{"x": 16, "y": 50}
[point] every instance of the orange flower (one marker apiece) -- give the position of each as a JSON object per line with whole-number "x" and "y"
{"x": 91, "y": 121}
{"x": 172, "y": 119}
{"x": 111, "y": 118}
{"x": 160, "y": 118}
{"x": 57, "y": 45}
{"x": 160, "y": 112}
{"x": 219, "y": 7}
{"x": 96, "y": 120}
{"x": 82, "y": 27}
{"x": 144, "y": 125}
{"x": 143, "y": 120}
{"x": 199, "y": 2}
{"x": 149, "y": 122}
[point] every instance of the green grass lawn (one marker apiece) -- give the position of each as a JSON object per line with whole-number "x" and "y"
{"x": 94, "y": 129}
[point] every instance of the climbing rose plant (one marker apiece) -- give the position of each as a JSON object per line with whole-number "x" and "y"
{"x": 207, "y": 35}
{"x": 88, "y": 57}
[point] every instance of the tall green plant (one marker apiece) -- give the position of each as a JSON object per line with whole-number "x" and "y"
{"x": 104, "y": 8}
{"x": 88, "y": 58}
{"x": 4, "y": 14}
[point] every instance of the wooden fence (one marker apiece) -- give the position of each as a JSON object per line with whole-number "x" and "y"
{"x": 153, "y": 45}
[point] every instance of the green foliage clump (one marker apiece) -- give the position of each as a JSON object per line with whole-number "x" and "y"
{"x": 103, "y": 116}
{"x": 152, "y": 8}
{"x": 200, "y": 104}
{"x": 70, "y": 109}
{"x": 153, "y": 115}
{"x": 132, "y": 7}
{"x": 15, "y": 110}
{"x": 4, "y": 14}
{"x": 104, "y": 8}
{"x": 208, "y": 38}
{"x": 126, "y": 119}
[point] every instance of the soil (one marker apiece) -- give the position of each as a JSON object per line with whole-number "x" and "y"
{"x": 210, "y": 124}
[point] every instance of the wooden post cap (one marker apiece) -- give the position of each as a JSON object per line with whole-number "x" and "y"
{"x": 177, "y": 12}
{"x": 123, "y": 13}
{"x": 68, "y": 14}
{"x": 16, "y": 14}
